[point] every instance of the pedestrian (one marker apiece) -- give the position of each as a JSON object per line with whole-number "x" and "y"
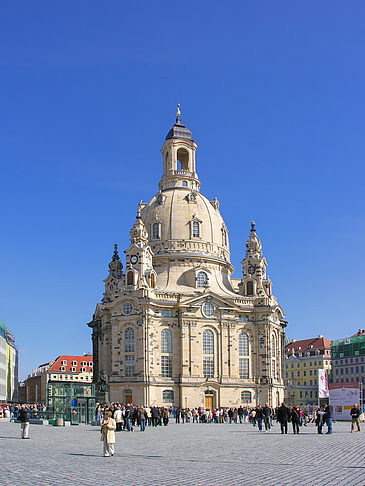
{"x": 295, "y": 419}
{"x": 259, "y": 417}
{"x": 328, "y": 419}
{"x": 267, "y": 416}
{"x": 24, "y": 422}
{"x": 118, "y": 417}
{"x": 283, "y": 416}
{"x": 142, "y": 418}
{"x": 108, "y": 426}
{"x": 320, "y": 419}
{"x": 355, "y": 414}
{"x": 165, "y": 416}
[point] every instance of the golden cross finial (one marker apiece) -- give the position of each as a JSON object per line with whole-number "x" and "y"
{"x": 178, "y": 113}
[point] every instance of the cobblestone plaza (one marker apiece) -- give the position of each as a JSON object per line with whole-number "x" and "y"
{"x": 182, "y": 455}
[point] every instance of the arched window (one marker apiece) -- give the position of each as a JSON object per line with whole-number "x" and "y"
{"x": 246, "y": 397}
{"x": 183, "y": 158}
{"x": 153, "y": 280}
{"x": 250, "y": 287}
{"x": 184, "y": 183}
{"x": 168, "y": 396}
{"x": 130, "y": 278}
{"x": 243, "y": 344}
{"x": 208, "y": 354}
{"x": 196, "y": 229}
{"x": 129, "y": 340}
{"x": 201, "y": 279}
{"x": 273, "y": 347}
{"x": 166, "y": 353}
{"x": 156, "y": 231}
{"x": 166, "y": 341}
{"x": 243, "y": 352}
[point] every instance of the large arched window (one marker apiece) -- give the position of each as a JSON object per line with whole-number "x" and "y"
{"x": 201, "y": 279}
{"x": 129, "y": 340}
{"x": 249, "y": 287}
{"x": 243, "y": 344}
{"x": 244, "y": 352}
{"x": 273, "y": 357}
{"x": 246, "y": 397}
{"x": 166, "y": 353}
{"x": 208, "y": 354}
{"x": 166, "y": 341}
{"x": 168, "y": 396}
{"x": 153, "y": 280}
{"x": 183, "y": 158}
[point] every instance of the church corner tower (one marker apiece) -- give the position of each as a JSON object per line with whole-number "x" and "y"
{"x": 175, "y": 328}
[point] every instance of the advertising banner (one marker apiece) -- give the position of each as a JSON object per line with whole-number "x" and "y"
{"x": 323, "y": 384}
{"x": 343, "y": 397}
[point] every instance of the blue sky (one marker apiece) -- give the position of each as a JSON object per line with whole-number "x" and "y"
{"x": 274, "y": 95}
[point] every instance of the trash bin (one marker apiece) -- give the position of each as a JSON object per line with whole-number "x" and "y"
{"x": 59, "y": 422}
{"x": 53, "y": 421}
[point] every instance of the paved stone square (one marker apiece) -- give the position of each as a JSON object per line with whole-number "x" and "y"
{"x": 182, "y": 455}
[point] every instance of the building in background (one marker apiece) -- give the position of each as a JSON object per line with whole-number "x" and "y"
{"x": 70, "y": 391}
{"x": 348, "y": 359}
{"x": 303, "y": 359}
{"x": 36, "y": 384}
{"x": 8, "y": 366}
{"x": 175, "y": 328}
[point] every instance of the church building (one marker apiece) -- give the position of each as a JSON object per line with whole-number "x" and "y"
{"x": 173, "y": 327}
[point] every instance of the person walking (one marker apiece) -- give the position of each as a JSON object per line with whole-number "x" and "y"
{"x": 259, "y": 417}
{"x": 165, "y": 416}
{"x": 295, "y": 419}
{"x": 267, "y": 415}
{"x": 108, "y": 426}
{"x": 283, "y": 418}
{"x": 355, "y": 414}
{"x": 24, "y": 422}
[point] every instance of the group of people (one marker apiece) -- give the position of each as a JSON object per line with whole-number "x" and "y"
{"x": 11, "y": 410}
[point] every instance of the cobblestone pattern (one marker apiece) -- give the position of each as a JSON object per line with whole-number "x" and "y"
{"x": 182, "y": 455}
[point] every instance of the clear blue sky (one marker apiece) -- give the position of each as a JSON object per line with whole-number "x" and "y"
{"x": 274, "y": 95}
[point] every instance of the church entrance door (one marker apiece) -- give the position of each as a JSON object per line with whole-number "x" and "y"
{"x": 208, "y": 402}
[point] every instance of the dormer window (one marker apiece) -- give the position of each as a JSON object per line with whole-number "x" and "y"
{"x": 156, "y": 233}
{"x": 64, "y": 362}
{"x": 62, "y": 368}
{"x": 74, "y": 363}
{"x": 195, "y": 229}
{"x": 201, "y": 279}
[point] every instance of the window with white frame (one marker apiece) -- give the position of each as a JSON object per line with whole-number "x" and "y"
{"x": 195, "y": 229}
{"x": 166, "y": 341}
{"x": 129, "y": 340}
{"x": 129, "y": 365}
{"x": 201, "y": 279}
{"x": 127, "y": 308}
{"x": 166, "y": 365}
{"x": 208, "y": 354}
{"x": 244, "y": 368}
{"x": 208, "y": 309}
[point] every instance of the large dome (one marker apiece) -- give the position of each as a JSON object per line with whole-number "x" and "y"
{"x": 180, "y": 220}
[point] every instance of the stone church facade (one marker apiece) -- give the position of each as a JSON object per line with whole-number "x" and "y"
{"x": 173, "y": 327}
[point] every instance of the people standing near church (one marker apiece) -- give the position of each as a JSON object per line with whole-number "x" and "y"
{"x": 108, "y": 426}
{"x": 320, "y": 419}
{"x": 355, "y": 414}
{"x": 259, "y": 417}
{"x": 283, "y": 418}
{"x": 142, "y": 416}
{"x": 24, "y": 422}
{"x": 295, "y": 419}
{"x": 267, "y": 416}
{"x": 328, "y": 418}
{"x": 118, "y": 417}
